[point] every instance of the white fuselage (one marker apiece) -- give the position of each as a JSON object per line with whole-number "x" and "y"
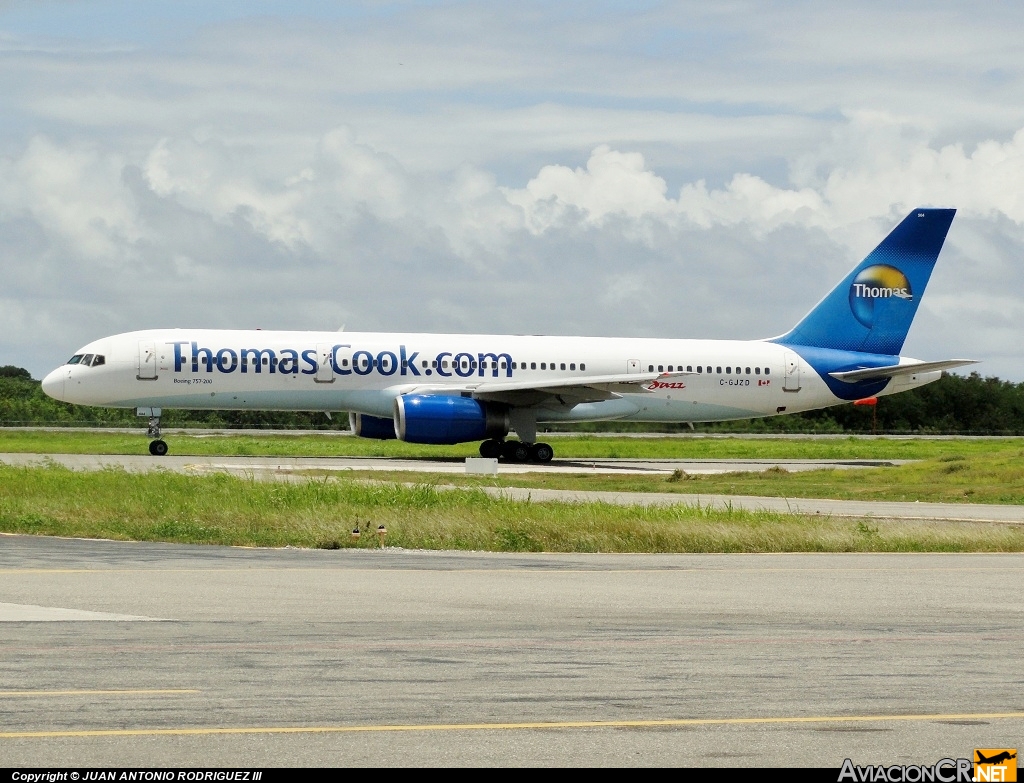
{"x": 705, "y": 380}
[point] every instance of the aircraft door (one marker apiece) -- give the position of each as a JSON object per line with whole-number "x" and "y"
{"x": 325, "y": 363}
{"x": 633, "y": 365}
{"x": 147, "y": 361}
{"x": 791, "y": 379}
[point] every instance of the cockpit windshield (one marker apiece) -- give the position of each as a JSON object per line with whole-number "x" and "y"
{"x": 88, "y": 359}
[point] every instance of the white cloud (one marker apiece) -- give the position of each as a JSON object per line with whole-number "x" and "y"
{"x": 74, "y": 192}
{"x": 881, "y": 174}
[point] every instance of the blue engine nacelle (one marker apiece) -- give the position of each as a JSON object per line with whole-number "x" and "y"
{"x": 441, "y": 419}
{"x": 371, "y": 426}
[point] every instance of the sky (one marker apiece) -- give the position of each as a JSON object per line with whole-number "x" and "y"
{"x": 705, "y": 170}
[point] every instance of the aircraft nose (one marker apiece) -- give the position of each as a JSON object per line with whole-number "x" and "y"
{"x": 53, "y": 384}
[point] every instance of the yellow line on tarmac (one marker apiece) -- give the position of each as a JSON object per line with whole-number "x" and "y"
{"x": 582, "y": 724}
{"x": 124, "y": 692}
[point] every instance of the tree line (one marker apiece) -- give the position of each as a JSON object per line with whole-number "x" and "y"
{"x": 965, "y": 405}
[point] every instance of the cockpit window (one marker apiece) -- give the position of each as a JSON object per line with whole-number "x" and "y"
{"x": 98, "y": 359}
{"x": 87, "y": 360}
{"x": 75, "y": 359}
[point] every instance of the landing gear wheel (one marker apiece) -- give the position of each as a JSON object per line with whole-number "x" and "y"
{"x": 541, "y": 452}
{"x": 490, "y": 449}
{"x": 515, "y": 451}
{"x": 158, "y": 448}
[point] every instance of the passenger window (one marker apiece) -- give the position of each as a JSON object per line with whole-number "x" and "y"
{"x": 728, "y": 370}
{"x": 424, "y": 364}
{"x": 583, "y": 367}
{"x": 562, "y": 366}
{"x": 719, "y": 369}
{"x": 533, "y": 365}
{"x": 699, "y": 368}
{"x": 670, "y": 368}
{"x": 504, "y": 365}
{"x": 757, "y": 371}
{"x": 661, "y": 368}
{"x": 767, "y": 371}
{"x": 689, "y": 368}
{"x": 444, "y": 363}
{"x": 572, "y": 366}
{"x": 543, "y": 365}
{"x": 747, "y": 371}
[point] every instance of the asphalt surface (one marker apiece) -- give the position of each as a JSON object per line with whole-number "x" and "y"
{"x": 141, "y": 463}
{"x": 191, "y": 655}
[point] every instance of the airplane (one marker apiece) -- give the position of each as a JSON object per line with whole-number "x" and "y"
{"x": 996, "y": 759}
{"x": 458, "y": 388}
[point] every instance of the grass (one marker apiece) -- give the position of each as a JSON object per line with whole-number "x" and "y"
{"x": 984, "y": 478}
{"x": 221, "y": 509}
{"x": 567, "y": 447}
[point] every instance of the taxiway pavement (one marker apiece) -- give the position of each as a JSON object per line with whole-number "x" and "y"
{"x": 147, "y": 654}
{"x": 141, "y": 463}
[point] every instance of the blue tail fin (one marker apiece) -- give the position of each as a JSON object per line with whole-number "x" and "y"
{"x": 872, "y": 308}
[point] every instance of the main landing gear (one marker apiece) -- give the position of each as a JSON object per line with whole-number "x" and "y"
{"x": 516, "y": 451}
{"x": 157, "y": 447}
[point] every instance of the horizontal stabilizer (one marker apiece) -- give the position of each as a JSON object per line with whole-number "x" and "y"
{"x": 870, "y": 373}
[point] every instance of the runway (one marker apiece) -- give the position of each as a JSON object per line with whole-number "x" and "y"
{"x": 264, "y": 465}
{"x": 224, "y": 656}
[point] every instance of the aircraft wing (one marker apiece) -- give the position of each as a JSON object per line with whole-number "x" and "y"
{"x": 871, "y": 373}
{"x": 593, "y": 388}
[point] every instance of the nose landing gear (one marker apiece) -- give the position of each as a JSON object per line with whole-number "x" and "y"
{"x": 516, "y": 451}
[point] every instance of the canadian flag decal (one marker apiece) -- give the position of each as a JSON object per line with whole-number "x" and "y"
{"x": 763, "y": 382}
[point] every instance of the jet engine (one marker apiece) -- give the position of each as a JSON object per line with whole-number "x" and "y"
{"x": 442, "y": 419}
